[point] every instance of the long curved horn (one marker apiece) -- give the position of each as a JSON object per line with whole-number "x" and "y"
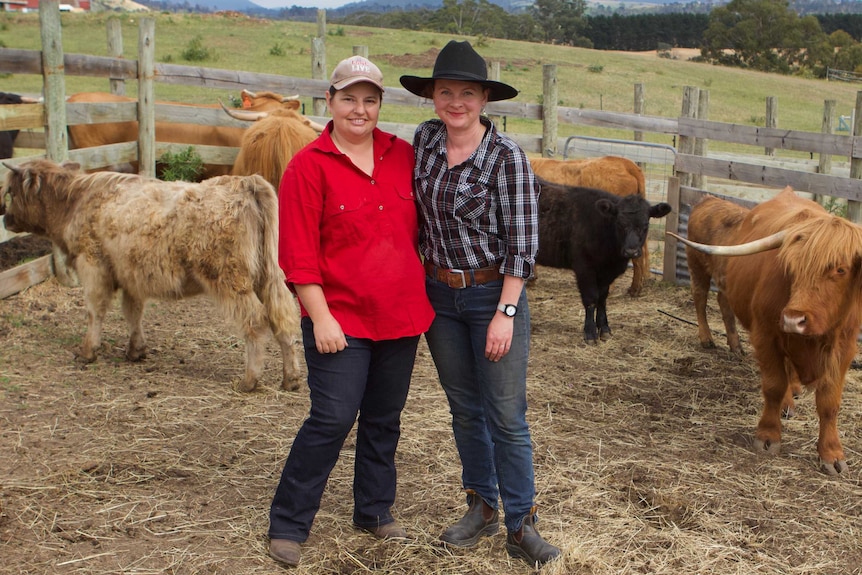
{"x": 241, "y": 115}
{"x": 253, "y": 95}
{"x": 29, "y": 100}
{"x": 315, "y": 126}
{"x": 754, "y": 247}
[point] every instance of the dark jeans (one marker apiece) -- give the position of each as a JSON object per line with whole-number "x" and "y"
{"x": 488, "y": 400}
{"x": 370, "y": 378}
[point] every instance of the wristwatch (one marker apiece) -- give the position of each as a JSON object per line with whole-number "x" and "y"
{"x": 508, "y": 309}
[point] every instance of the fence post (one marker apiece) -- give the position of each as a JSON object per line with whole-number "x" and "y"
{"x": 690, "y": 98}
{"x": 700, "y": 144}
{"x": 639, "y": 109}
{"x": 360, "y": 51}
{"x": 56, "y": 138}
{"x": 854, "y": 208}
{"x": 824, "y": 162}
{"x": 671, "y": 223}
{"x": 771, "y": 118}
{"x": 146, "y": 103}
{"x": 550, "y": 96}
{"x": 115, "y": 50}
{"x": 321, "y": 23}
{"x": 318, "y": 72}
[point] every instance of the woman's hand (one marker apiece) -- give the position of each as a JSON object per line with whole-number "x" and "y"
{"x": 328, "y": 337}
{"x": 498, "y": 342}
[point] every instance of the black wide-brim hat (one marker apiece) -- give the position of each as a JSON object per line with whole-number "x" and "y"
{"x": 459, "y": 61}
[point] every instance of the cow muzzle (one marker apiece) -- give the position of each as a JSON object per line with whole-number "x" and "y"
{"x": 794, "y": 323}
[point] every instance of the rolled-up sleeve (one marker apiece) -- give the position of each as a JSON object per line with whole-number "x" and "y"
{"x": 519, "y": 204}
{"x": 300, "y": 208}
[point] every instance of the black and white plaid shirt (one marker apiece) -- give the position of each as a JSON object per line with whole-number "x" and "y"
{"x": 481, "y": 213}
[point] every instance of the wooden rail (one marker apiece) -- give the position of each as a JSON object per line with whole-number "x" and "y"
{"x": 753, "y": 169}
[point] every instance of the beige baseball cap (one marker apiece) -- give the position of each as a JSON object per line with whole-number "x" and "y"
{"x": 354, "y": 70}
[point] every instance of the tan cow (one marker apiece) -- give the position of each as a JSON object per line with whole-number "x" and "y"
{"x": 795, "y": 283}
{"x": 165, "y": 240}
{"x": 270, "y": 143}
{"x": 715, "y": 221}
{"x": 89, "y": 135}
{"x": 614, "y": 174}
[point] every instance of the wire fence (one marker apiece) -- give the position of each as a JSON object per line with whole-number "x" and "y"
{"x": 655, "y": 160}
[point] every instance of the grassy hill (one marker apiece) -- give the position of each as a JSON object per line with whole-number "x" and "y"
{"x": 587, "y": 78}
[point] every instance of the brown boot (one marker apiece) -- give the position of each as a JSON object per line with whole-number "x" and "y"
{"x": 481, "y": 520}
{"x": 527, "y": 544}
{"x": 285, "y": 551}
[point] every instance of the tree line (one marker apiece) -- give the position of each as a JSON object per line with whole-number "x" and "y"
{"x": 766, "y": 35}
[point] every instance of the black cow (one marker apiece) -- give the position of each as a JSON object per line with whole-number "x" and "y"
{"x": 594, "y": 233}
{"x": 7, "y": 138}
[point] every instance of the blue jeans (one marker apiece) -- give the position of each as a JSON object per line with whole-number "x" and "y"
{"x": 488, "y": 400}
{"x": 370, "y": 378}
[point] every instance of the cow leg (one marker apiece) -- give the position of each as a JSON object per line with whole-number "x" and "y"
{"x": 98, "y": 293}
{"x": 729, "y": 320}
{"x": 767, "y": 438}
{"x": 640, "y": 273}
{"x": 248, "y": 312}
{"x": 290, "y": 362}
{"x": 700, "y": 281}
{"x": 828, "y": 400}
{"x": 794, "y": 390}
{"x": 591, "y": 334}
{"x": 133, "y": 311}
{"x": 602, "y": 314}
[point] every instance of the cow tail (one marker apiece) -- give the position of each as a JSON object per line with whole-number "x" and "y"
{"x": 277, "y": 299}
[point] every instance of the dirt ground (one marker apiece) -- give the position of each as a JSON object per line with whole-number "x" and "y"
{"x": 642, "y": 454}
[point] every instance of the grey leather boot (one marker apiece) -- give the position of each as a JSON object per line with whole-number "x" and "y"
{"x": 481, "y": 520}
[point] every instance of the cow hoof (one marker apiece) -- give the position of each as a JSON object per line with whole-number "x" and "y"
{"x": 605, "y": 334}
{"x": 290, "y": 384}
{"x": 591, "y": 340}
{"x": 245, "y": 386}
{"x": 767, "y": 447}
{"x": 136, "y": 354}
{"x": 707, "y": 344}
{"x": 837, "y": 467}
{"x": 81, "y": 358}
{"x": 634, "y": 292}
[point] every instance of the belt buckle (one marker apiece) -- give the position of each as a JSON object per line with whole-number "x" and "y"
{"x": 459, "y": 274}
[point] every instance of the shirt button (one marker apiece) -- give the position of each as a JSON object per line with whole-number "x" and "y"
{"x": 381, "y": 208}
{"x": 373, "y": 182}
{"x": 341, "y": 207}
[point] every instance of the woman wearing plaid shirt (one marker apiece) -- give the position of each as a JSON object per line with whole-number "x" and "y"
{"x": 478, "y": 204}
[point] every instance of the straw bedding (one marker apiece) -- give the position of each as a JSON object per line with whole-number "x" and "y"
{"x": 642, "y": 452}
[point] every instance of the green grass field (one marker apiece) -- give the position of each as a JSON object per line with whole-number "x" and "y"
{"x": 588, "y": 79}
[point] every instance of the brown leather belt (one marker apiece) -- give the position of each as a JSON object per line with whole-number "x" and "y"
{"x": 460, "y": 279}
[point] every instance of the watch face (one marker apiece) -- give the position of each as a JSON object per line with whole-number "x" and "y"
{"x": 510, "y": 310}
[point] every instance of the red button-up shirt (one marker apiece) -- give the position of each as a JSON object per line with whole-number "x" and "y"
{"x": 356, "y": 236}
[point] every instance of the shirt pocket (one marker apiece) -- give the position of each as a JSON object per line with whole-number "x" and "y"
{"x": 344, "y": 218}
{"x": 471, "y": 201}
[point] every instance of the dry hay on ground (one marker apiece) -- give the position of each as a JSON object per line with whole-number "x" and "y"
{"x": 642, "y": 451}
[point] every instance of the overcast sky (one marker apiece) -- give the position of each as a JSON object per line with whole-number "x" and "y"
{"x": 307, "y": 3}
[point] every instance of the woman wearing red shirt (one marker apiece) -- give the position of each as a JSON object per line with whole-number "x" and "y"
{"x": 348, "y": 245}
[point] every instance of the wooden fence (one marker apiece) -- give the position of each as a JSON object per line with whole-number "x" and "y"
{"x": 692, "y": 163}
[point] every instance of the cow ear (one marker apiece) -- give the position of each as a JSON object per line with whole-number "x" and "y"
{"x": 72, "y": 166}
{"x": 606, "y": 208}
{"x": 12, "y": 167}
{"x": 660, "y": 210}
